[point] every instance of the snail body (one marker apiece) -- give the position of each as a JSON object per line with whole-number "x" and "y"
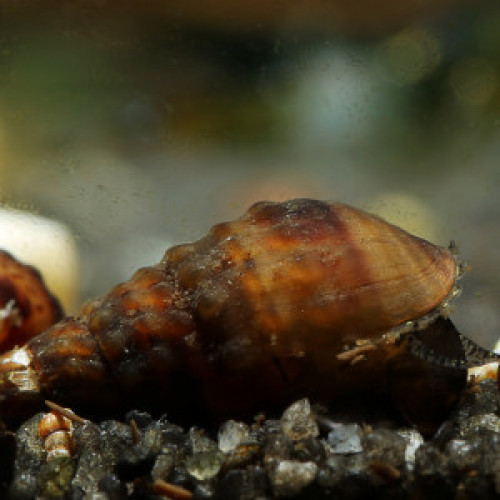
{"x": 301, "y": 298}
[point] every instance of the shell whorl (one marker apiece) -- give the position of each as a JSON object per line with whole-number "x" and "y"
{"x": 284, "y": 270}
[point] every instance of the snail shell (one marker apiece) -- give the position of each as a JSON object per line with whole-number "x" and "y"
{"x": 56, "y": 431}
{"x": 27, "y": 308}
{"x": 298, "y": 298}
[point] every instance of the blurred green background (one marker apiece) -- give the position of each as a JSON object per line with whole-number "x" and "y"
{"x": 140, "y": 125}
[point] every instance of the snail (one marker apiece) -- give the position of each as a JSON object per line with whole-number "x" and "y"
{"x": 300, "y": 298}
{"x": 27, "y": 307}
{"x": 56, "y": 431}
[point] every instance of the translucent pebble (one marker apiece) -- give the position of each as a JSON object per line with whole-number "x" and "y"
{"x": 244, "y": 484}
{"x": 163, "y": 466}
{"x": 153, "y": 438}
{"x": 461, "y": 453}
{"x": 479, "y": 453}
{"x": 199, "y": 441}
{"x": 386, "y": 446}
{"x": 344, "y": 439}
{"x": 413, "y": 440}
{"x": 243, "y": 455}
{"x": 55, "y": 478}
{"x": 278, "y": 447}
{"x": 479, "y": 423}
{"x": 232, "y": 434}
{"x": 289, "y": 477}
{"x": 298, "y": 422}
{"x": 204, "y": 465}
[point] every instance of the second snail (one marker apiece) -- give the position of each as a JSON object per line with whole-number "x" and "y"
{"x": 303, "y": 298}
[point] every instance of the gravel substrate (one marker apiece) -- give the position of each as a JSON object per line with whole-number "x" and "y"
{"x": 300, "y": 455}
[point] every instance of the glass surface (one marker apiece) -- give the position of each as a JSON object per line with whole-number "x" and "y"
{"x": 139, "y": 125}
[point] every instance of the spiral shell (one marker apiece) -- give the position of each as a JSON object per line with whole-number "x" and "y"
{"x": 56, "y": 431}
{"x": 26, "y": 305}
{"x": 301, "y": 298}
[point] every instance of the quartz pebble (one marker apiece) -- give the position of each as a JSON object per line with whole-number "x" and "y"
{"x": 480, "y": 423}
{"x": 383, "y": 445}
{"x": 205, "y": 464}
{"x": 93, "y": 464}
{"x": 278, "y": 447}
{"x": 199, "y": 441}
{"x": 232, "y": 434}
{"x": 163, "y": 466}
{"x": 55, "y": 478}
{"x": 243, "y": 455}
{"x": 247, "y": 484}
{"x": 345, "y": 438}
{"x": 289, "y": 477}
{"x": 29, "y": 459}
{"x": 298, "y": 421}
{"x": 413, "y": 440}
{"x": 462, "y": 454}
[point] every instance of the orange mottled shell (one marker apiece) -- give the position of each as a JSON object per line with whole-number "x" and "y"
{"x": 26, "y": 305}
{"x": 303, "y": 274}
{"x": 254, "y": 314}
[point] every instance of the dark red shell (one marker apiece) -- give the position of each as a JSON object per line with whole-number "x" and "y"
{"x": 250, "y": 316}
{"x": 27, "y": 307}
